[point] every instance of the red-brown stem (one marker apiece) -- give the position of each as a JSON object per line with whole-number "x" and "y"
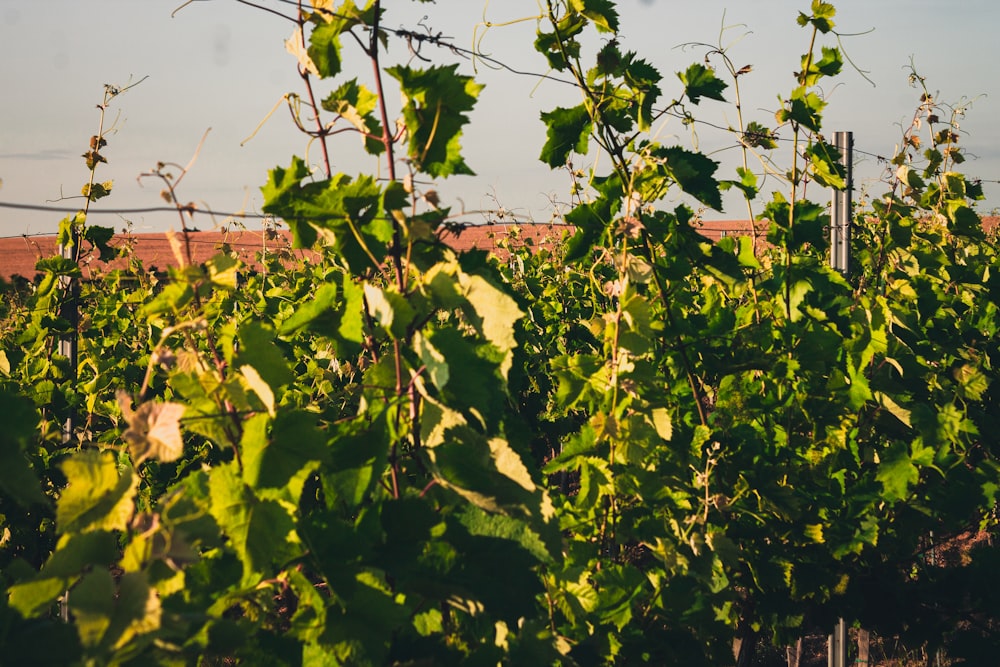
{"x": 321, "y": 131}
{"x": 396, "y": 251}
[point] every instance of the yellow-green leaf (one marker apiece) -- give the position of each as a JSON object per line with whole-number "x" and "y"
{"x": 97, "y": 496}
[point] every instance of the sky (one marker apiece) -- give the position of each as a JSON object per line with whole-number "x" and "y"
{"x": 220, "y": 66}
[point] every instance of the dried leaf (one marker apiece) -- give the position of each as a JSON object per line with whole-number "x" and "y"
{"x": 175, "y": 247}
{"x": 297, "y": 47}
{"x": 154, "y": 430}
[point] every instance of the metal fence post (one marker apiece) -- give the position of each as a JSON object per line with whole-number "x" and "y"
{"x": 840, "y": 206}
{"x": 840, "y": 249}
{"x": 70, "y": 312}
{"x": 837, "y": 647}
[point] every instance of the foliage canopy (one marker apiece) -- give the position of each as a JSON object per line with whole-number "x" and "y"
{"x": 631, "y": 446}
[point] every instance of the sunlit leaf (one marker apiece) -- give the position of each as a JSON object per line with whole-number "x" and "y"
{"x": 324, "y": 50}
{"x": 98, "y": 496}
{"x": 261, "y": 532}
{"x": 601, "y": 12}
{"x": 896, "y": 473}
{"x": 154, "y": 430}
{"x": 282, "y": 452}
{"x": 435, "y": 103}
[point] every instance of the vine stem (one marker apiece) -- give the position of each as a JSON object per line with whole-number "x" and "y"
{"x": 321, "y": 132}
{"x": 403, "y": 388}
{"x": 396, "y": 249}
{"x": 615, "y": 150}
{"x": 803, "y": 79}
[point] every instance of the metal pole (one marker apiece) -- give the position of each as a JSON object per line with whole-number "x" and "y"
{"x": 70, "y": 311}
{"x": 840, "y": 248}
{"x": 840, "y": 206}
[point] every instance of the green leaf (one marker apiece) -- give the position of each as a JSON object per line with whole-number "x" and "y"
{"x": 286, "y": 456}
{"x": 971, "y": 381}
{"x": 17, "y": 479}
{"x": 964, "y": 221}
{"x": 601, "y": 12}
{"x": 490, "y": 310}
{"x": 759, "y": 136}
{"x": 432, "y": 358}
{"x": 428, "y": 623}
{"x": 821, "y": 18}
{"x": 357, "y": 105}
{"x": 435, "y": 103}
{"x": 351, "y": 325}
{"x": 700, "y": 81}
{"x": 324, "y": 48}
{"x": 258, "y": 386}
{"x": 309, "y": 620}
{"x": 364, "y": 625}
{"x": 358, "y": 457}
{"x": 814, "y": 532}
{"x": 73, "y": 554}
{"x": 825, "y": 167}
{"x": 96, "y": 191}
{"x": 113, "y": 613}
{"x": 69, "y": 228}
{"x": 59, "y": 266}
{"x": 258, "y": 349}
{"x": 662, "y": 423}
{"x": 223, "y": 271}
{"x": 642, "y": 79}
{"x": 896, "y": 473}
{"x": 280, "y": 193}
{"x": 829, "y": 65}
{"x": 745, "y": 254}
{"x": 559, "y": 47}
{"x": 480, "y": 522}
{"x": 476, "y": 388}
{"x": 389, "y": 309}
{"x": 896, "y": 410}
{"x": 747, "y": 183}
{"x": 320, "y": 302}
{"x": 793, "y": 228}
{"x": 590, "y": 220}
{"x": 803, "y": 108}
{"x": 261, "y": 532}
{"x": 97, "y": 495}
{"x": 568, "y": 131}
{"x": 92, "y": 604}
{"x": 494, "y": 314}
{"x": 693, "y": 172}
{"x": 99, "y": 237}
{"x": 485, "y": 471}
{"x": 345, "y": 210}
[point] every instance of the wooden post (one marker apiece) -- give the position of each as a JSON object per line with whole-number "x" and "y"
{"x": 793, "y": 654}
{"x": 864, "y": 643}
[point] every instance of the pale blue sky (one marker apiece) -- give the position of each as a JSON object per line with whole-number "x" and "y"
{"x": 223, "y": 65}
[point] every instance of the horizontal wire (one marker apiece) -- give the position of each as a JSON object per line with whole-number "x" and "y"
{"x": 123, "y": 211}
